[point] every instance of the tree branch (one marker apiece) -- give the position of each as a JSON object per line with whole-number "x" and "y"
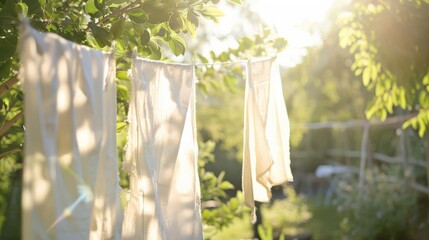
{"x": 8, "y": 84}
{"x": 119, "y": 12}
{"x": 10, "y": 123}
{"x": 2, "y": 155}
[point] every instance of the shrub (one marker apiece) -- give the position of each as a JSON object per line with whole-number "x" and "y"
{"x": 385, "y": 208}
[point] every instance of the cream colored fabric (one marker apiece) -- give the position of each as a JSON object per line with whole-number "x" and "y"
{"x": 161, "y": 159}
{"x": 71, "y": 177}
{"x": 266, "y": 160}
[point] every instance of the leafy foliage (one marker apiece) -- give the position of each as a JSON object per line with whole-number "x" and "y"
{"x": 385, "y": 209}
{"x": 265, "y": 44}
{"x": 218, "y": 210}
{"x": 388, "y": 40}
{"x": 286, "y": 216}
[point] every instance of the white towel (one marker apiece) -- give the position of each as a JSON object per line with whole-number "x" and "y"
{"x": 266, "y": 158}
{"x": 71, "y": 181}
{"x": 162, "y": 154}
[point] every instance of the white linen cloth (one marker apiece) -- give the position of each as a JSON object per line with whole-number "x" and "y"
{"x": 266, "y": 157}
{"x": 70, "y": 175}
{"x": 161, "y": 157}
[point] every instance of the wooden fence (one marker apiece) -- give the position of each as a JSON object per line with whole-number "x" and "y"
{"x": 365, "y": 154}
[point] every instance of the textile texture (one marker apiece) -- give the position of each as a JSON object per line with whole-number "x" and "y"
{"x": 161, "y": 159}
{"x": 266, "y": 157}
{"x": 70, "y": 175}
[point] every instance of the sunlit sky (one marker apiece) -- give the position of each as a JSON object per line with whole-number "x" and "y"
{"x": 291, "y": 18}
{"x": 296, "y": 20}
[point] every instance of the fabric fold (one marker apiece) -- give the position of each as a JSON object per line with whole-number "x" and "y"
{"x": 70, "y": 174}
{"x": 161, "y": 156}
{"x": 266, "y": 157}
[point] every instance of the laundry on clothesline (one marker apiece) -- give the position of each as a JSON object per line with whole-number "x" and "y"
{"x": 266, "y": 155}
{"x": 71, "y": 181}
{"x": 162, "y": 154}
{"x": 70, "y": 174}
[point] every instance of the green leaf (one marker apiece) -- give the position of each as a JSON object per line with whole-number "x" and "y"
{"x": 51, "y": 27}
{"x": 7, "y": 48}
{"x": 177, "y": 45}
{"x": 5, "y": 69}
{"x": 175, "y": 22}
{"x": 157, "y": 12}
{"x": 193, "y": 18}
{"x": 145, "y": 51}
{"x": 117, "y": 28}
{"x": 366, "y": 76}
{"x": 42, "y": 3}
{"x": 246, "y": 43}
{"x": 120, "y": 126}
{"x": 98, "y": 32}
{"x": 374, "y": 72}
{"x": 122, "y": 75}
{"x": 280, "y": 44}
{"x": 407, "y": 123}
{"x": 202, "y": 58}
{"x": 91, "y": 40}
{"x": 226, "y": 185}
{"x": 233, "y": 202}
{"x": 90, "y": 7}
{"x": 155, "y": 50}
{"x": 145, "y": 37}
{"x": 422, "y": 126}
{"x": 212, "y": 12}
{"x": 138, "y": 17}
{"x": 235, "y": 1}
{"x": 191, "y": 27}
{"x": 99, "y": 5}
{"x": 21, "y": 8}
{"x": 122, "y": 91}
{"x": 426, "y": 79}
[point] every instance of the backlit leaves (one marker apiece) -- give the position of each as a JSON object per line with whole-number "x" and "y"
{"x": 389, "y": 43}
{"x": 90, "y": 7}
{"x": 177, "y": 45}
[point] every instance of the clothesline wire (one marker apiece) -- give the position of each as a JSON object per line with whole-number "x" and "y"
{"x": 26, "y": 23}
{"x": 221, "y": 63}
{"x": 238, "y": 61}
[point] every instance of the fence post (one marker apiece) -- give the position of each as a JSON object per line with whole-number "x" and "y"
{"x": 363, "y": 155}
{"x": 427, "y": 159}
{"x": 403, "y": 152}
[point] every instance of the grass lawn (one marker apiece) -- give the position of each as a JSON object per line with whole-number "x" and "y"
{"x": 323, "y": 224}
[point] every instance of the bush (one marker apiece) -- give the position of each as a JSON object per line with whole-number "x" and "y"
{"x": 385, "y": 208}
{"x": 285, "y": 216}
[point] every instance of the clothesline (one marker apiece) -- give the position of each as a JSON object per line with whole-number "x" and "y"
{"x": 239, "y": 61}
{"x": 71, "y": 88}
{"x": 26, "y": 23}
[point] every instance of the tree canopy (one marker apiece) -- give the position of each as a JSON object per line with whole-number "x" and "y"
{"x": 388, "y": 40}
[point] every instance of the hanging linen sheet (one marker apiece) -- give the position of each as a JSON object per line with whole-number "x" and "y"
{"x": 161, "y": 157}
{"x": 71, "y": 181}
{"x": 266, "y": 158}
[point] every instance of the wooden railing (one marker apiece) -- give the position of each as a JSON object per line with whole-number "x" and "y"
{"x": 365, "y": 155}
